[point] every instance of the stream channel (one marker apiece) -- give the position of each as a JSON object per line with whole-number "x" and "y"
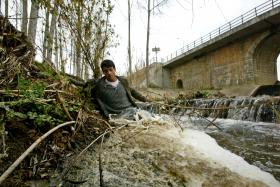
{"x": 249, "y": 126}
{"x": 257, "y": 142}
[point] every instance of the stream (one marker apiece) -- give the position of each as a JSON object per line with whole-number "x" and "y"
{"x": 249, "y": 126}
{"x": 257, "y": 142}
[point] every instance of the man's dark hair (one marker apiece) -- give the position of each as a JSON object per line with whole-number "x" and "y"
{"x": 107, "y": 64}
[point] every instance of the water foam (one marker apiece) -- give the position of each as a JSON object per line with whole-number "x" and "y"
{"x": 210, "y": 150}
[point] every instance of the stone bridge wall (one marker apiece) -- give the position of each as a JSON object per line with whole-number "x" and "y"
{"x": 226, "y": 66}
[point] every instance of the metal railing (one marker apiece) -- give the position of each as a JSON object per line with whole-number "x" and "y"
{"x": 265, "y": 7}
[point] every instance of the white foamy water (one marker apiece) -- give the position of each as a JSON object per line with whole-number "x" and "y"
{"x": 210, "y": 150}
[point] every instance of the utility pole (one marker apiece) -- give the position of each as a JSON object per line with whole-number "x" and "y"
{"x": 129, "y": 43}
{"x": 147, "y": 44}
{"x": 148, "y": 35}
{"x": 156, "y": 50}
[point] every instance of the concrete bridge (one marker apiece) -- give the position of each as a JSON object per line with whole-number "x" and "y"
{"x": 244, "y": 51}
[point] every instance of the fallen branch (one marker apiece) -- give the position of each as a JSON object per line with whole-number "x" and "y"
{"x": 13, "y": 103}
{"x": 100, "y": 165}
{"x": 76, "y": 182}
{"x": 47, "y": 91}
{"x": 3, "y": 134}
{"x": 30, "y": 149}
{"x": 104, "y": 121}
{"x": 99, "y": 119}
{"x": 217, "y": 108}
{"x": 102, "y": 135}
{"x": 210, "y": 122}
{"x": 153, "y": 93}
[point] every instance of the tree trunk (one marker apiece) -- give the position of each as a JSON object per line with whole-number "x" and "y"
{"x": 87, "y": 48}
{"x": 105, "y": 37}
{"x": 82, "y": 67}
{"x": 86, "y": 72}
{"x": 147, "y": 45}
{"x": 6, "y": 8}
{"x": 51, "y": 36}
{"x": 16, "y": 4}
{"x": 78, "y": 43}
{"x": 97, "y": 55}
{"x": 62, "y": 64}
{"x": 71, "y": 55}
{"x": 56, "y": 50}
{"x": 59, "y": 31}
{"x": 74, "y": 57}
{"x": 24, "y": 16}
{"x": 33, "y": 22}
{"x": 129, "y": 44}
{"x": 46, "y": 35}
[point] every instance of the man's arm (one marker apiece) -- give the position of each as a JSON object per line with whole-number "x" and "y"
{"x": 137, "y": 95}
{"x": 103, "y": 110}
{"x": 132, "y": 91}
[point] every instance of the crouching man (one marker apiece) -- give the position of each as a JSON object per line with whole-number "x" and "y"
{"x": 112, "y": 93}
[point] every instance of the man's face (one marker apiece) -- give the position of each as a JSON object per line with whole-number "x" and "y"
{"x": 110, "y": 73}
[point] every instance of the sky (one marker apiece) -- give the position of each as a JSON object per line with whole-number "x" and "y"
{"x": 178, "y": 24}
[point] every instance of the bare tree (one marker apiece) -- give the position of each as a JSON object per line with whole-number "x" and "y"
{"x": 56, "y": 61}
{"x": 51, "y": 37}
{"x": 16, "y": 4}
{"x": 129, "y": 42}
{"x": 62, "y": 64}
{"x": 149, "y": 10}
{"x": 72, "y": 56}
{"x": 32, "y": 27}
{"x": 46, "y": 34}
{"x": 78, "y": 8}
{"x": 60, "y": 33}
{"x": 6, "y": 8}
{"x": 89, "y": 46}
{"x": 24, "y": 16}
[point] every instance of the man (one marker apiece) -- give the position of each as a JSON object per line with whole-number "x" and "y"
{"x": 112, "y": 93}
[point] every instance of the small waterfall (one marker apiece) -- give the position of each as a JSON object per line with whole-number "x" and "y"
{"x": 257, "y": 109}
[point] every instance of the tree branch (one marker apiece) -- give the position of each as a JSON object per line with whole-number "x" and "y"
{"x": 30, "y": 149}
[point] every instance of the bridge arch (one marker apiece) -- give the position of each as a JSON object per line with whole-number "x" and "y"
{"x": 265, "y": 59}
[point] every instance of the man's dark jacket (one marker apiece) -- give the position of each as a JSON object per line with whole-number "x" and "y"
{"x": 95, "y": 92}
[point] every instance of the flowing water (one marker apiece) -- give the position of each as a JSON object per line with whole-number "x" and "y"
{"x": 249, "y": 126}
{"x": 257, "y": 142}
{"x": 257, "y": 109}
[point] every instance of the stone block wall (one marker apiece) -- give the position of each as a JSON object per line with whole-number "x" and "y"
{"x": 155, "y": 76}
